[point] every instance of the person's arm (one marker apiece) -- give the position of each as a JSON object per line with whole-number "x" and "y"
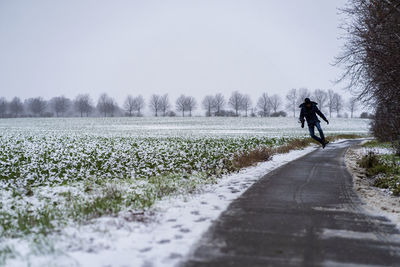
{"x": 301, "y": 118}
{"x": 321, "y": 115}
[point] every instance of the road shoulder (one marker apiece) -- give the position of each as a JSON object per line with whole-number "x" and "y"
{"x": 375, "y": 201}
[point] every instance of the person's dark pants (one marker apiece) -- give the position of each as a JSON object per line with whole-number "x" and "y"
{"x": 320, "y": 139}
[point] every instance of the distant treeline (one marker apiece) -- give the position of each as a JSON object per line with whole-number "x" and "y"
{"x": 237, "y": 104}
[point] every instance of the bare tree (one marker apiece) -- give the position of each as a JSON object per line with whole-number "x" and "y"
{"x": 83, "y": 104}
{"x": 106, "y": 105}
{"x": 264, "y": 104}
{"x": 236, "y": 102}
{"x": 138, "y": 104}
{"x": 60, "y": 105}
{"x": 191, "y": 104}
{"x": 112, "y": 107}
{"x": 102, "y": 104}
{"x": 276, "y": 102}
{"x": 338, "y": 103}
{"x": 164, "y": 104}
{"x": 129, "y": 105}
{"x": 371, "y": 61}
{"x": 3, "y": 107}
{"x": 291, "y": 98}
{"x": 246, "y": 103}
{"x": 37, "y": 105}
{"x": 320, "y": 97}
{"x": 16, "y": 107}
{"x": 331, "y": 102}
{"x": 352, "y": 105}
{"x": 208, "y": 104}
{"x": 303, "y": 93}
{"x": 181, "y": 104}
{"x": 155, "y": 104}
{"x": 219, "y": 102}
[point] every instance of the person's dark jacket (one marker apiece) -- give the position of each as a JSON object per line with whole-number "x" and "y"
{"x": 310, "y": 114}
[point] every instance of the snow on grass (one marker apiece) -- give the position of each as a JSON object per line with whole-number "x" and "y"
{"x": 62, "y": 178}
{"x": 160, "y": 237}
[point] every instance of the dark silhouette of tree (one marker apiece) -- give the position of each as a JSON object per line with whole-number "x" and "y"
{"x": 129, "y": 105}
{"x": 338, "y": 100}
{"x": 138, "y": 105}
{"x": 60, "y": 105}
{"x": 276, "y": 102}
{"x": 371, "y": 61}
{"x": 246, "y": 104}
{"x": 16, "y": 107}
{"x": 164, "y": 104}
{"x": 291, "y": 98}
{"x": 352, "y": 106}
{"x": 106, "y": 105}
{"x": 37, "y": 105}
{"x": 208, "y": 104}
{"x": 83, "y": 104}
{"x": 181, "y": 104}
{"x": 320, "y": 96}
{"x": 155, "y": 104}
{"x": 191, "y": 104}
{"x": 219, "y": 102}
{"x": 264, "y": 104}
{"x": 236, "y": 102}
{"x": 3, "y": 107}
{"x": 331, "y": 102}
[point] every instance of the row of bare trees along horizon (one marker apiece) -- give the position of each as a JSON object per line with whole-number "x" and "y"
{"x": 238, "y": 104}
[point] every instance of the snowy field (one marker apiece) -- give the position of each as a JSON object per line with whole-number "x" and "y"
{"x": 176, "y": 127}
{"x": 75, "y": 191}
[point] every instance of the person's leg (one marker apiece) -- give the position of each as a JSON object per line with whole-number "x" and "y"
{"x": 312, "y": 134}
{"x": 321, "y": 133}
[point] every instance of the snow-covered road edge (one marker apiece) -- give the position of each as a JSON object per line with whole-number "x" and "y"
{"x": 175, "y": 225}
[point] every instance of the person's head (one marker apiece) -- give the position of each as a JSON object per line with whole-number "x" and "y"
{"x": 307, "y": 101}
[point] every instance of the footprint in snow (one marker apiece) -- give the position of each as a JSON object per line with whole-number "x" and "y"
{"x": 175, "y": 256}
{"x": 145, "y": 250}
{"x": 202, "y": 219}
{"x": 184, "y": 230}
{"x": 164, "y": 241}
{"x": 195, "y": 212}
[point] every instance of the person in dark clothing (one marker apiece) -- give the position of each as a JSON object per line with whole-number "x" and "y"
{"x": 309, "y": 111}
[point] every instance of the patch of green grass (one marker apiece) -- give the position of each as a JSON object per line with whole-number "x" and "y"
{"x": 6, "y": 252}
{"x": 24, "y": 221}
{"x": 103, "y": 199}
{"x": 377, "y": 144}
{"x": 385, "y": 169}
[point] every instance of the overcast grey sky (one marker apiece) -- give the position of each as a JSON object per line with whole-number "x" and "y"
{"x": 196, "y": 47}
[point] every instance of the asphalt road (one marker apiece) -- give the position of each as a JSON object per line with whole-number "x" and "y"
{"x": 302, "y": 214}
